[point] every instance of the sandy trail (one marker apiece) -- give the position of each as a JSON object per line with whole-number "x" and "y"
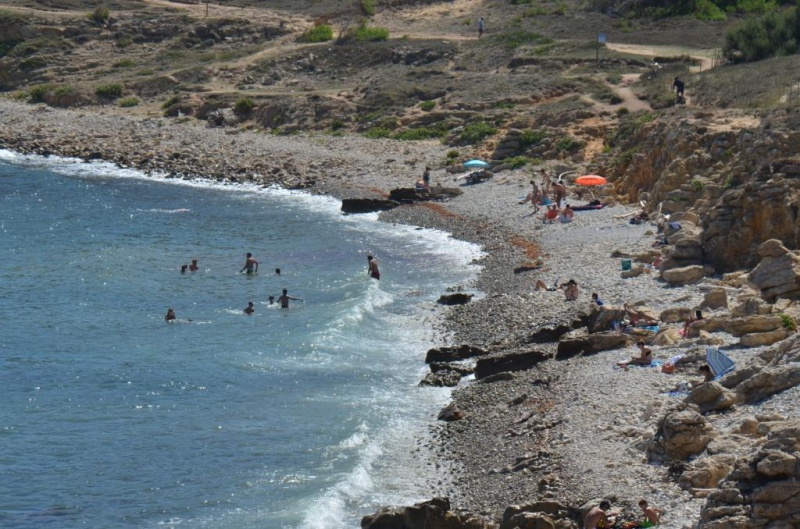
{"x": 704, "y": 56}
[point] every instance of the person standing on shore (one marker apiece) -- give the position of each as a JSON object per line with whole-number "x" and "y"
{"x": 545, "y": 181}
{"x": 250, "y": 264}
{"x": 560, "y": 191}
{"x": 481, "y": 27}
{"x": 426, "y": 178}
{"x": 533, "y": 197}
{"x": 372, "y": 268}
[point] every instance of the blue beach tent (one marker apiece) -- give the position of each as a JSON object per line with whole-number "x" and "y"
{"x": 719, "y": 362}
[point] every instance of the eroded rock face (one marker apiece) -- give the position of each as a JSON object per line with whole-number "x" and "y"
{"x": 778, "y": 273}
{"x": 763, "y": 489}
{"x": 581, "y": 342}
{"x": 513, "y": 361}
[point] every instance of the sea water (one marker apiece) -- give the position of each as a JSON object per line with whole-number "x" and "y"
{"x": 307, "y": 417}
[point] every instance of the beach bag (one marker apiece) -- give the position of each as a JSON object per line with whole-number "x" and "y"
{"x": 668, "y": 368}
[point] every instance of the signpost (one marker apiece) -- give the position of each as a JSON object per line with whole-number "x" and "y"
{"x": 601, "y": 39}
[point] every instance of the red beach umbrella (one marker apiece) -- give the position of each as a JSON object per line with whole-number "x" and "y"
{"x": 591, "y": 180}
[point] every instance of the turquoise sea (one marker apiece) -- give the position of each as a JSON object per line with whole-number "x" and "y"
{"x": 308, "y": 417}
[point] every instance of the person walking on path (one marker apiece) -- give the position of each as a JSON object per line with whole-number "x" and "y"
{"x": 678, "y": 86}
{"x": 481, "y": 27}
{"x": 372, "y": 268}
{"x": 250, "y": 264}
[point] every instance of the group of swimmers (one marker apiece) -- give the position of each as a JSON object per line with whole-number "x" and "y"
{"x": 251, "y": 267}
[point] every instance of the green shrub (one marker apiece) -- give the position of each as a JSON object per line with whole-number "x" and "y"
{"x": 514, "y": 39}
{"x": 244, "y": 106}
{"x": 337, "y": 124}
{"x": 531, "y": 137}
{"x": 475, "y": 132}
{"x": 367, "y": 7}
{"x": 371, "y": 34}
{"x": 568, "y": 144}
{"x": 36, "y": 94}
{"x": 518, "y": 161}
{"x": 420, "y": 133}
{"x": 452, "y": 154}
{"x": 171, "y": 101}
{"x": 505, "y": 105}
{"x": 32, "y": 63}
{"x": 109, "y": 91}
{"x": 321, "y": 33}
{"x": 708, "y": 10}
{"x": 124, "y": 63}
{"x": 7, "y": 45}
{"x": 99, "y": 15}
{"x": 427, "y": 105}
{"x": 123, "y": 41}
{"x": 788, "y": 322}
{"x": 697, "y": 184}
{"x": 378, "y": 132}
{"x": 772, "y": 35}
{"x": 128, "y": 102}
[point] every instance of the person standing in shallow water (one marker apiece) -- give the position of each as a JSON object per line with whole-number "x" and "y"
{"x": 284, "y": 298}
{"x": 250, "y": 264}
{"x": 372, "y": 268}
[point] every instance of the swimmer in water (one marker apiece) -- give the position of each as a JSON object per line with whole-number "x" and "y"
{"x": 193, "y": 267}
{"x": 169, "y": 316}
{"x": 372, "y": 268}
{"x": 251, "y": 265}
{"x": 284, "y": 298}
{"x": 250, "y": 308}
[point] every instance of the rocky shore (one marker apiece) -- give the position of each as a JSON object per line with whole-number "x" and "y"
{"x": 570, "y": 427}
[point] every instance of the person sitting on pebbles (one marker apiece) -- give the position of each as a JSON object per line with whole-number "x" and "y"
{"x": 637, "y": 319}
{"x": 645, "y": 357}
{"x": 599, "y": 516}
{"x": 571, "y": 290}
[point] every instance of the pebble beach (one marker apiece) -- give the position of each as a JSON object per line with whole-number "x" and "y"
{"x": 573, "y": 430}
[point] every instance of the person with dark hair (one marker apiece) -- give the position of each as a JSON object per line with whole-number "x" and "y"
{"x": 571, "y": 290}
{"x": 284, "y": 298}
{"x": 250, "y": 308}
{"x": 481, "y": 27}
{"x": 678, "y": 86}
{"x": 169, "y": 316}
{"x": 652, "y": 515}
{"x": 184, "y": 268}
{"x": 372, "y": 268}
{"x": 194, "y": 267}
{"x": 600, "y": 516}
{"x": 426, "y": 179}
{"x": 698, "y": 315}
{"x": 250, "y": 264}
{"x": 596, "y": 299}
{"x": 707, "y": 372}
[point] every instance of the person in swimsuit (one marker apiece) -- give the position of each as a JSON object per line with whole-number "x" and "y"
{"x": 251, "y": 265}
{"x": 652, "y": 515}
{"x": 250, "y": 308}
{"x": 193, "y": 267}
{"x": 372, "y": 268}
{"x": 284, "y": 298}
{"x": 599, "y": 517}
{"x": 533, "y": 197}
{"x": 169, "y": 316}
{"x": 645, "y": 357}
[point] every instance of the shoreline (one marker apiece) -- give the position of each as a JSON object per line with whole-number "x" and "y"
{"x": 589, "y": 419}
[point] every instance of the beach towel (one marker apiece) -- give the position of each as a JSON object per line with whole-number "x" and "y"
{"x": 653, "y": 363}
{"x": 720, "y": 363}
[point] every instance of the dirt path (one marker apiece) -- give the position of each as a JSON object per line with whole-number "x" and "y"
{"x": 704, "y": 56}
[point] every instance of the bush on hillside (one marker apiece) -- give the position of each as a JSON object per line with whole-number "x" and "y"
{"x": 371, "y": 34}
{"x": 100, "y": 15}
{"x": 320, "y": 33}
{"x": 775, "y": 34}
{"x": 129, "y": 102}
{"x": 244, "y": 106}
{"x": 109, "y": 91}
{"x": 475, "y": 132}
